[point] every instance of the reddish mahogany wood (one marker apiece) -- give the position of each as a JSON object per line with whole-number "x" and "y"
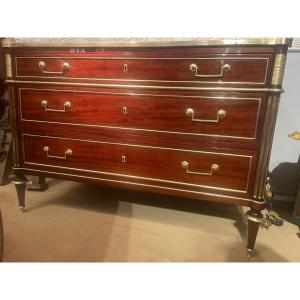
{"x": 152, "y": 69}
{"x": 142, "y": 137}
{"x": 162, "y": 164}
{"x": 163, "y": 113}
{"x": 213, "y": 196}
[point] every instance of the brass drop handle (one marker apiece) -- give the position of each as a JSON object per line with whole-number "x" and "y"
{"x": 224, "y": 68}
{"x": 64, "y": 67}
{"x": 295, "y": 135}
{"x": 213, "y": 168}
{"x": 220, "y": 114}
{"x": 68, "y": 152}
{"x": 67, "y": 104}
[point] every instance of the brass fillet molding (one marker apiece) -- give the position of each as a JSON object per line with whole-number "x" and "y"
{"x": 265, "y": 152}
{"x": 8, "y": 65}
{"x": 150, "y": 87}
{"x": 139, "y": 42}
{"x": 40, "y": 171}
{"x": 254, "y": 219}
{"x": 278, "y": 70}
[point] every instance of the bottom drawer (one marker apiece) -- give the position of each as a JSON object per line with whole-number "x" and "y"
{"x": 197, "y": 168}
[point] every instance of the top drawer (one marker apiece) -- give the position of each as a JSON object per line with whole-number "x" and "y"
{"x": 234, "y": 69}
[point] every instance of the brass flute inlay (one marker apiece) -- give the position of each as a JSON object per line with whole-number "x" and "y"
{"x": 67, "y": 104}
{"x": 278, "y": 71}
{"x": 64, "y": 67}
{"x": 68, "y": 152}
{"x": 8, "y": 65}
{"x": 213, "y": 168}
{"x": 224, "y": 68}
{"x": 220, "y": 114}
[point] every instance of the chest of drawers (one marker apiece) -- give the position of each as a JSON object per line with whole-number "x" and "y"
{"x": 186, "y": 117}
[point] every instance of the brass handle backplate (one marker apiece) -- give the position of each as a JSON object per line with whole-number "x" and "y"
{"x": 224, "y": 68}
{"x": 295, "y": 135}
{"x": 68, "y": 152}
{"x": 64, "y": 67}
{"x": 213, "y": 168}
{"x": 67, "y": 104}
{"x": 220, "y": 114}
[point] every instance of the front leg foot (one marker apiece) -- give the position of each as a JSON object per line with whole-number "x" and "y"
{"x": 254, "y": 219}
{"x": 20, "y": 184}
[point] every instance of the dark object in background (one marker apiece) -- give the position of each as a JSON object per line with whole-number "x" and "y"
{"x": 296, "y": 211}
{"x": 5, "y": 142}
{"x": 284, "y": 179}
{"x": 285, "y": 185}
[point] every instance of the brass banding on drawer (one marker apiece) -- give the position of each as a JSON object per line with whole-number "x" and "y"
{"x": 183, "y": 114}
{"x": 215, "y": 70}
{"x": 228, "y": 171}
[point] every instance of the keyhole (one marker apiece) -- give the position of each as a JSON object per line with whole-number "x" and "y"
{"x": 124, "y": 110}
{"x": 123, "y": 159}
{"x": 125, "y": 68}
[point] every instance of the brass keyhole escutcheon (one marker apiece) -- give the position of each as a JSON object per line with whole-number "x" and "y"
{"x": 124, "y": 110}
{"x": 123, "y": 159}
{"x": 125, "y": 68}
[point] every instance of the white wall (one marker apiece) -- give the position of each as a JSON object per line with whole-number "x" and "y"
{"x": 286, "y": 149}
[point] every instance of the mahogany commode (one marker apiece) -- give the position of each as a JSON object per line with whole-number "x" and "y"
{"x": 186, "y": 117}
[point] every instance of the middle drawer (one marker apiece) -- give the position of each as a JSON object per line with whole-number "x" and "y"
{"x": 232, "y": 116}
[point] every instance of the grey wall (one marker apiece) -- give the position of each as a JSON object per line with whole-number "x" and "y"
{"x": 286, "y": 149}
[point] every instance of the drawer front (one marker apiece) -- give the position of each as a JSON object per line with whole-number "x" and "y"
{"x": 195, "y": 168}
{"x": 236, "y": 69}
{"x": 203, "y": 115}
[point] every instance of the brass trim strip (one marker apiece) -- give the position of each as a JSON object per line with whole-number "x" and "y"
{"x": 8, "y": 65}
{"x": 224, "y": 57}
{"x": 150, "y": 87}
{"x": 265, "y": 150}
{"x": 255, "y": 219}
{"x": 140, "y": 42}
{"x": 136, "y": 183}
{"x": 278, "y": 71}
{"x": 144, "y": 129}
{"x": 140, "y": 177}
{"x": 140, "y": 146}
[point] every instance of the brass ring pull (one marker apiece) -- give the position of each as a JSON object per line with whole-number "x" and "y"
{"x": 224, "y": 68}
{"x": 213, "y": 168}
{"x": 64, "y": 67}
{"x": 68, "y": 152}
{"x": 220, "y": 114}
{"x": 67, "y": 104}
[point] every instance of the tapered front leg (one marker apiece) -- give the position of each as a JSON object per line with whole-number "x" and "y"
{"x": 254, "y": 220}
{"x": 20, "y": 184}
